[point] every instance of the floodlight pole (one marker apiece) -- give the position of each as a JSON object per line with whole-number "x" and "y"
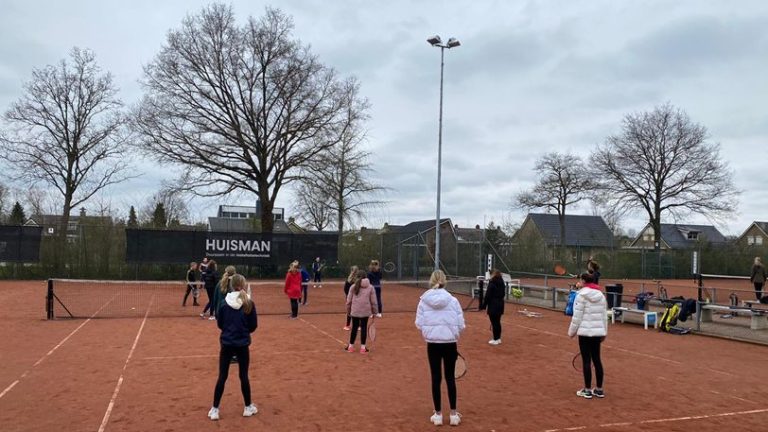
{"x": 436, "y": 42}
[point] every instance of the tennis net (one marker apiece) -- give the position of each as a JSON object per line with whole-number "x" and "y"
{"x": 728, "y": 289}
{"x": 81, "y": 298}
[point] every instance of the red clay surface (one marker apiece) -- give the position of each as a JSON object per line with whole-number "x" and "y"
{"x": 77, "y": 375}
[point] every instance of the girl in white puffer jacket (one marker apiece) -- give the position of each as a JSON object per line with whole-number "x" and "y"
{"x": 440, "y": 318}
{"x": 590, "y": 323}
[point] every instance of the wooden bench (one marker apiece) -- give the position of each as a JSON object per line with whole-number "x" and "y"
{"x": 759, "y": 318}
{"x": 645, "y": 313}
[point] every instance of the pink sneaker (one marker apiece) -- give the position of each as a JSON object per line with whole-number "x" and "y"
{"x": 350, "y": 348}
{"x": 364, "y": 350}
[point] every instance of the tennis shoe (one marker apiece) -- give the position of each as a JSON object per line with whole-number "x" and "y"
{"x": 436, "y": 419}
{"x": 250, "y": 410}
{"x": 213, "y": 414}
{"x": 364, "y": 350}
{"x": 347, "y": 328}
{"x": 350, "y": 348}
{"x": 598, "y": 393}
{"x": 202, "y": 315}
{"x": 212, "y": 318}
{"x": 378, "y": 315}
{"x": 455, "y": 419}
{"x": 585, "y": 393}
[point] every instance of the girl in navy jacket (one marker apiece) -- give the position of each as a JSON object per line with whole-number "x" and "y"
{"x": 237, "y": 320}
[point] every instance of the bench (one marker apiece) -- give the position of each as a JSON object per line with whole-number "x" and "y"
{"x": 759, "y": 317}
{"x": 646, "y": 314}
{"x": 751, "y": 303}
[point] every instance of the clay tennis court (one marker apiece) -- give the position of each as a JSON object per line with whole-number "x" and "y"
{"x": 158, "y": 373}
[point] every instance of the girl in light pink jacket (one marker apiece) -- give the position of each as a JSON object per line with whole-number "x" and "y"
{"x": 361, "y": 305}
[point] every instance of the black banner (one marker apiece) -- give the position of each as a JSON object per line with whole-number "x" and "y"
{"x": 164, "y": 246}
{"x": 20, "y": 243}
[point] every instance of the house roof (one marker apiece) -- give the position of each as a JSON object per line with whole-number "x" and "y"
{"x": 420, "y": 226}
{"x": 580, "y": 230}
{"x": 38, "y": 219}
{"x": 763, "y": 226}
{"x": 675, "y": 236}
{"x": 469, "y": 234}
{"x": 245, "y": 209}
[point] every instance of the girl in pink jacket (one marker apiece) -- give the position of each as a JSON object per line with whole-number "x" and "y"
{"x": 361, "y": 305}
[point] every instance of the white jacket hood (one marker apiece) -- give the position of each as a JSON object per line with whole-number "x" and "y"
{"x": 437, "y": 298}
{"x": 439, "y": 316}
{"x": 589, "y": 313}
{"x": 592, "y": 295}
{"x": 234, "y": 301}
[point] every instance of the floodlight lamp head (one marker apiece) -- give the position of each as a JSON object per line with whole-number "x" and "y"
{"x": 453, "y": 42}
{"x": 435, "y": 40}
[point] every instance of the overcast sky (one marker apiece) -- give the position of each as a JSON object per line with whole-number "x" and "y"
{"x": 530, "y": 77}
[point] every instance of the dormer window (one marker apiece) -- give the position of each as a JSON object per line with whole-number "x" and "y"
{"x": 693, "y": 235}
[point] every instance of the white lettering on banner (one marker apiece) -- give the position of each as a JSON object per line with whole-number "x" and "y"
{"x": 238, "y": 248}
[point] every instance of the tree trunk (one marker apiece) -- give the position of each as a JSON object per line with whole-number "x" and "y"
{"x": 60, "y": 253}
{"x": 563, "y": 246}
{"x": 267, "y": 206}
{"x": 656, "y": 222}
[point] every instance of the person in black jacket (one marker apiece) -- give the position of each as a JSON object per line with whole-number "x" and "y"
{"x": 494, "y": 304}
{"x": 237, "y": 320}
{"x": 210, "y": 278}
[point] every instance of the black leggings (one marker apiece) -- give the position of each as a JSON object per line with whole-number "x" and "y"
{"x": 363, "y": 324}
{"x": 495, "y": 325}
{"x": 190, "y": 288}
{"x": 346, "y": 293}
{"x": 445, "y": 353}
{"x": 225, "y": 357}
{"x": 304, "y": 289}
{"x": 294, "y": 308}
{"x": 590, "y": 354}
{"x": 209, "y": 305}
{"x": 758, "y": 290}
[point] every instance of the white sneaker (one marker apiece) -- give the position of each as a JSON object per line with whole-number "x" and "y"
{"x": 202, "y": 315}
{"x": 436, "y": 419}
{"x": 250, "y": 410}
{"x": 378, "y": 315}
{"x": 494, "y": 342}
{"x": 213, "y": 318}
{"x": 213, "y": 414}
{"x": 455, "y": 419}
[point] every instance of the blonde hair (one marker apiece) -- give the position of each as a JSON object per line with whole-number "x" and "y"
{"x": 758, "y": 261}
{"x": 437, "y": 279}
{"x": 352, "y": 274}
{"x": 225, "y": 280}
{"x": 374, "y": 265}
{"x": 238, "y": 283}
{"x": 294, "y": 267}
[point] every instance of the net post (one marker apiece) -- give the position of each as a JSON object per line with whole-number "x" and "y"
{"x": 49, "y": 300}
{"x": 700, "y": 282}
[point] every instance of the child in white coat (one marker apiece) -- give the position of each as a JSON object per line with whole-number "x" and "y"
{"x": 440, "y": 318}
{"x": 590, "y": 323}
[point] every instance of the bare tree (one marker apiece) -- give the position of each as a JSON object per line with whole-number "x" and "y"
{"x": 65, "y": 131}
{"x": 174, "y": 213}
{"x": 311, "y": 207}
{"x": 339, "y": 180}
{"x": 5, "y": 202}
{"x": 662, "y": 163}
{"x": 563, "y": 181}
{"x": 241, "y": 107}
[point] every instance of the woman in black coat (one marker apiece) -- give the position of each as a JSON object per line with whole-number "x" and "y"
{"x": 494, "y": 304}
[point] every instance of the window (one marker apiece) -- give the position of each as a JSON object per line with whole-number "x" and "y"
{"x": 693, "y": 235}
{"x": 51, "y": 230}
{"x": 758, "y": 240}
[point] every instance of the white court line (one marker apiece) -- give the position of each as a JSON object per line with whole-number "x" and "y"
{"x": 48, "y": 354}
{"x": 322, "y": 331}
{"x": 111, "y": 405}
{"x": 202, "y": 356}
{"x": 664, "y": 420}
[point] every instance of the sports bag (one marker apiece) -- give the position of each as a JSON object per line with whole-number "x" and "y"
{"x": 571, "y": 300}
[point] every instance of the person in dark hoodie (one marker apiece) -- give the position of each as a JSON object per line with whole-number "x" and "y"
{"x": 440, "y": 318}
{"x": 237, "y": 320}
{"x": 304, "y": 284}
{"x": 758, "y": 277}
{"x": 374, "y": 276}
{"x": 494, "y": 304}
{"x": 210, "y": 278}
{"x": 590, "y": 323}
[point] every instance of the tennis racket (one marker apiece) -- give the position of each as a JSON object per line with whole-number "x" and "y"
{"x": 461, "y": 367}
{"x": 195, "y": 290}
{"x": 371, "y": 332}
{"x": 561, "y": 271}
{"x": 576, "y": 362}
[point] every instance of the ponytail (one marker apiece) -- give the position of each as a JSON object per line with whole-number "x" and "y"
{"x": 225, "y": 280}
{"x": 361, "y": 274}
{"x": 238, "y": 283}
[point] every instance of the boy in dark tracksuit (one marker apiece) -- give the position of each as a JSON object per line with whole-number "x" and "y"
{"x": 304, "y": 284}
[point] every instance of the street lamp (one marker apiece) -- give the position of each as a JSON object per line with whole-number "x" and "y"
{"x": 435, "y": 41}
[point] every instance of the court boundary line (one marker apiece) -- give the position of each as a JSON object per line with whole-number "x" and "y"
{"x": 120, "y": 380}
{"x": 663, "y": 420}
{"x": 57, "y": 346}
{"x": 322, "y": 331}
